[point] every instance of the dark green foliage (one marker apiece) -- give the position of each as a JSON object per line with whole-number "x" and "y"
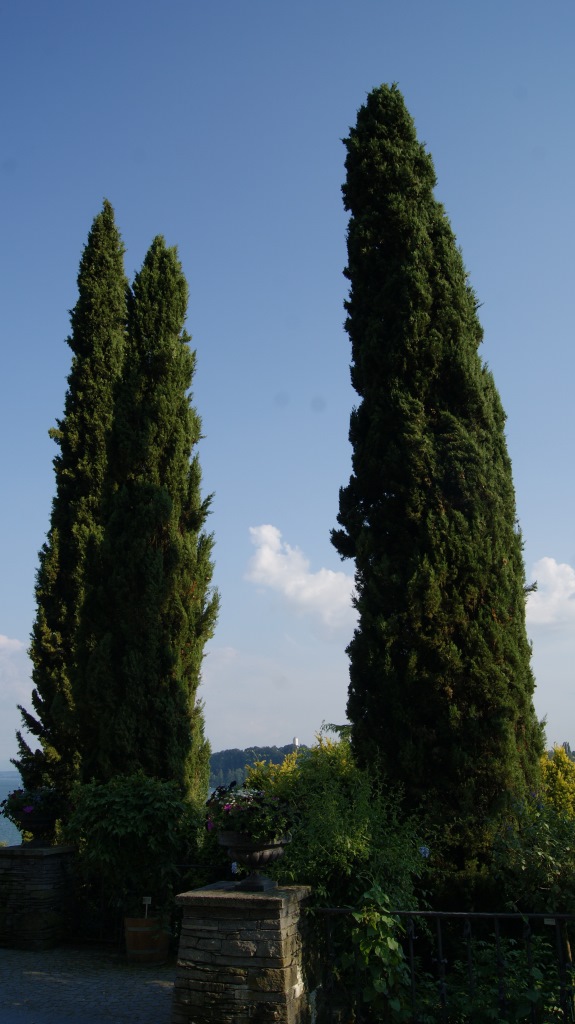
{"x": 441, "y": 687}
{"x": 150, "y": 608}
{"x": 533, "y": 862}
{"x": 133, "y": 835}
{"x": 97, "y": 342}
{"x": 123, "y": 590}
{"x": 477, "y": 979}
{"x": 347, "y": 831}
{"x": 530, "y": 989}
{"x": 373, "y": 959}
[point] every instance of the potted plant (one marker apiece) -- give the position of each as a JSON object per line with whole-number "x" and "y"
{"x": 132, "y": 833}
{"x": 254, "y": 828}
{"x": 34, "y": 812}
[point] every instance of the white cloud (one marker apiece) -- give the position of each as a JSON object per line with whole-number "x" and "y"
{"x": 553, "y": 603}
{"x": 15, "y": 668}
{"x": 9, "y": 646}
{"x": 325, "y": 594}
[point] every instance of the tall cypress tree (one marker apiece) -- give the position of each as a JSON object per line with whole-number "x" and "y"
{"x": 441, "y": 687}
{"x": 151, "y": 607}
{"x": 98, "y": 324}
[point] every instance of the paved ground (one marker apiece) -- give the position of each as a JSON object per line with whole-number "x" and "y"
{"x": 82, "y": 985}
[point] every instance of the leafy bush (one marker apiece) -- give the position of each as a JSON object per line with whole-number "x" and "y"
{"x": 534, "y": 858}
{"x": 459, "y": 876}
{"x": 347, "y": 831}
{"x": 132, "y": 834}
{"x": 508, "y": 986}
{"x": 558, "y": 773}
{"x": 376, "y": 958}
{"x": 475, "y": 981}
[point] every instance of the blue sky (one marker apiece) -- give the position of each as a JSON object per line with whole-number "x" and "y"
{"x": 219, "y": 125}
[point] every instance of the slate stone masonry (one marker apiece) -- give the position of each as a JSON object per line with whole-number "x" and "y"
{"x": 34, "y": 895}
{"x": 240, "y": 959}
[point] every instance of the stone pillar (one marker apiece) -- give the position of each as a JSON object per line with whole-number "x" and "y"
{"x": 34, "y": 895}
{"x": 240, "y": 957}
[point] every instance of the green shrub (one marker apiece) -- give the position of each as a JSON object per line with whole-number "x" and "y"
{"x": 534, "y": 858}
{"x": 484, "y": 980}
{"x": 347, "y": 831}
{"x": 558, "y": 773}
{"x": 534, "y": 847}
{"x": 132, "y": 834}
{"x": 508, "y": 986}
{"x": 376, "y": 959}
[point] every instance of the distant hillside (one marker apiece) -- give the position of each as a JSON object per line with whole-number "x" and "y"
{"x": 227, "y": 765}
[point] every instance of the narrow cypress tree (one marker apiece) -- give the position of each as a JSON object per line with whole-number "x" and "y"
{"x": 97, "y": 341}
{"x": 441, "y": 687}
{"x": 150, "y": 608}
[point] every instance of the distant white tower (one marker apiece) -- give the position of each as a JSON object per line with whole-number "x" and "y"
{"x": 295, "y": 742}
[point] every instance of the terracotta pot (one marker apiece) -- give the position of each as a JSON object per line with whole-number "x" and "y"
{"x": 146, "y": 940}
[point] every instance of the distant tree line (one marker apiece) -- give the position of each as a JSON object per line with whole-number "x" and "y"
{"x": 230, "y": 765}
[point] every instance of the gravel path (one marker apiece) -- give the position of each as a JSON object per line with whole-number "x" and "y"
{"x": 82, "y": 985}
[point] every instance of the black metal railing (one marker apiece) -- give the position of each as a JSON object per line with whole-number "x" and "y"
{"x": 456, "y": 968}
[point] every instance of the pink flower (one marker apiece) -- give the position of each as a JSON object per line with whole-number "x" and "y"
{"x": 28, "y": 810}
{"x": 210, "y": 825}
{"x": 227, "y": 807}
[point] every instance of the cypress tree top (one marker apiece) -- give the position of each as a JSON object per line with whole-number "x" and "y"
{"x": 440, "y": 679}
{"x": 150, "y": 607}
{"x": 97, "y": 338}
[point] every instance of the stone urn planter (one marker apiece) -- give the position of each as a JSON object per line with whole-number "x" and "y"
{"x": 34, "y": 810}
{"x": 255, "y": 855}
{"x": 39, "y": 823}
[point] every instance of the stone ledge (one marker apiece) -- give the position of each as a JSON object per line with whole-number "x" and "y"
{"x": 37, "y": 852}
{"x": 226, "y": 894}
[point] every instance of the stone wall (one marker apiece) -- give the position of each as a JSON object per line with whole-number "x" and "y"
{"x": 34, "y": 895}
{"x": 240, "y": 958}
